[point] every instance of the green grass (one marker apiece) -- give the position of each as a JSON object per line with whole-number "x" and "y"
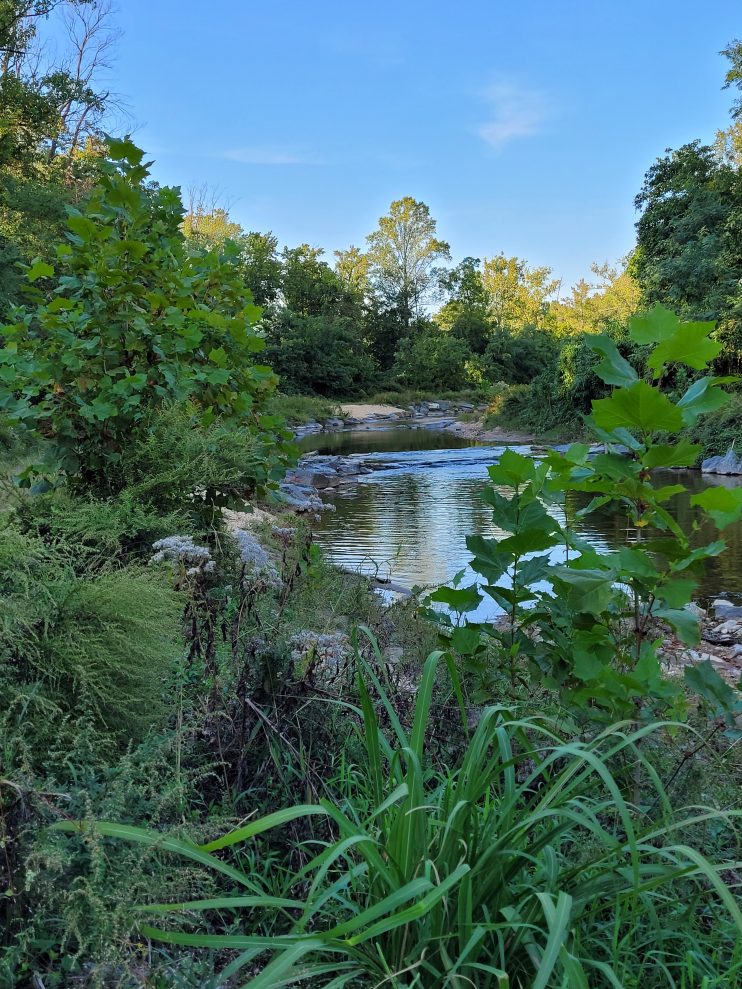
{"x": 520, "y": 864}
{"x": 300, "y": 409}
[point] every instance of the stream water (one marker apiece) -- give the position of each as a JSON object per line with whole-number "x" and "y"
{"x": 409, "y": 519}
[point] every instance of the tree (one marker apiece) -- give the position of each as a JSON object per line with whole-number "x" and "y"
{"x": 596, "y": 307}
{"x": 310, "y": 286}
{"x": 352, "y": 268}
{"x": 518, "y": 358}
{"x": 131, "y": 321}
{"x": 261, "y": 266}
{"x": 36, "y": 99}
{"x": 733, "y": 52}
{"x": 402, "y": 253}
{"x": 314, "y": 354}
{"x": 517, "y": 295}
{"x": 434, "y": 361}
{"x": 206, "y": 222}
{"x": 465, "y": 314}
{"x": 687, "y": 204}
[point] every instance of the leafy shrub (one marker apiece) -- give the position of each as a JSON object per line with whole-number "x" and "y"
{"x": 514, "y": 867}
{"x": 99, "y": 645}
{"x": 134, "y": 321}
{"x": 518, "y": 357}
{"x": 595, "y": 614}
{"x": 319, "y": 354}
{"x": 176, "y": 473}
{"x": 434, "y": 360}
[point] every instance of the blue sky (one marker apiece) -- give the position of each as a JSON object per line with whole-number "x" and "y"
{"x": 526, "y": 126}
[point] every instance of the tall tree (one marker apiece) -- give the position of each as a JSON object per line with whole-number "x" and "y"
{"x": 261, "y": 266}
{"x": 595, "y": 307}
{"x": 402, "y": 255}
{"x": 465, "y": 312}
{"x": 517, "y": 295}
{"x": 685, "y": 256}
{"x": 352, "y": 268}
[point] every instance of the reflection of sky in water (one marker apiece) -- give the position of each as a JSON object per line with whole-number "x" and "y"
{"x": 410, "y": 519}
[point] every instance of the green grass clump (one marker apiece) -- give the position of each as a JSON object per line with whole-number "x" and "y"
{"x": 299, "y": 409}
{"x": 519, "y": 864}
{"x": 74, "y": 644}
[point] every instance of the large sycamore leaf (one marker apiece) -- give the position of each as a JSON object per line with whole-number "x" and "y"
{"x": 705, "y": 681}
{"x": 588, "y": 591}
{"x": 638, "y": 407}
{"x": 703, "y": 396}
{"x": 654, "y": 326}
{"x": 724, "y": 505}
{"x": 613, "y": 368}
{"x": 682, "y": 454}
{"x": 689, "y": 345}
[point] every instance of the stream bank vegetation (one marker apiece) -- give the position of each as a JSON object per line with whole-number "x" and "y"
{"x": 222, "y": 761}
{"x": 225, "y": 763}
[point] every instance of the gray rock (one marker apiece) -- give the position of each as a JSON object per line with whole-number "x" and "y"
{"x": 730, "y": 463}
{"x": 737, "y": 651}
{"x": 695, "y": 610}
{"x": 300, "y": 497}
{"x": 466, "y": 406}
{"x": 393, "y": 654}
{"x": 333, "y": 425}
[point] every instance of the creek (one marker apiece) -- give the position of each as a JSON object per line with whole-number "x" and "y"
{"x": 409, "y": 518}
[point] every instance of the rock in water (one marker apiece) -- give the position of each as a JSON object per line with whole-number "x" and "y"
{"x": 730, "y": 463}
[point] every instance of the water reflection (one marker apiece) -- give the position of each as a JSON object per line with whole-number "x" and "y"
{"x": 410, "y": 519}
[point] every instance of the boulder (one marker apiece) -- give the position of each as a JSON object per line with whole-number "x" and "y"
{"x": 730, "y": 463}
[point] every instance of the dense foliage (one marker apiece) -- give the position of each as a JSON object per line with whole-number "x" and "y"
{"x": 222, "y": 760}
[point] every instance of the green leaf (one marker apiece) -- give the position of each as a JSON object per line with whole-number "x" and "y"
{"x": 155, "y": 839}
{"x": 466, "y": 639}
{"x": 512, "y": 469}
{"x": 703, "y": 396}
{"x": 706, "y": 682}
{"x": 39, "y": 269}
{"x": 122, "y": 149}
{"x": 682, "y": 454}
{"x": 689, "y": 345}
{"x": 613, "y": 368}
{"x": 639, "y": 407}
{"x": 461, "y": 599}
{"x": 654, "y": 326}
{"x": 589, "y": 591}
{"x": 723, "y": 505}
{"x": 684, "y": 623}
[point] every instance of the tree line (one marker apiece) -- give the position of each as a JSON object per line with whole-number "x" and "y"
{"x": 392, "y": 314}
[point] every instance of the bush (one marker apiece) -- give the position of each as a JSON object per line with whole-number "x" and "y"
{"x": 134, "y": 321}
{"x": 320, "y": 354}
{"x": 437, "y": 361}
{"x": 518, "y": 358}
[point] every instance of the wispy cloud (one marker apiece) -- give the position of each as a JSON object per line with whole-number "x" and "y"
{"x": 268, "y": 156}
{"x": 515, "y": 113}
